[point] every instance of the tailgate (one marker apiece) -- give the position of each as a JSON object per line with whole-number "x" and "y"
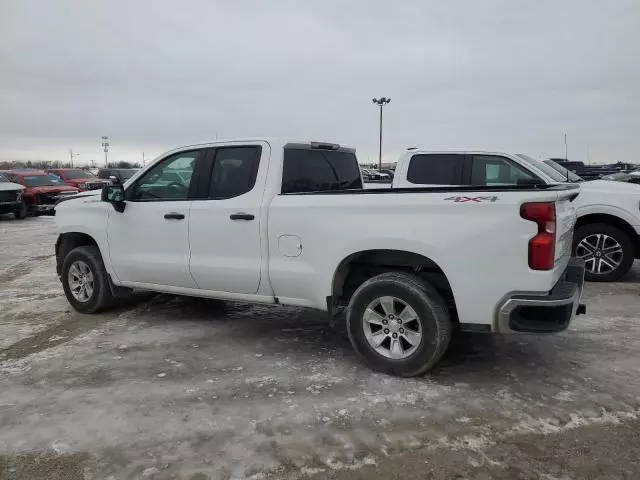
{"x": 565, "y": 223}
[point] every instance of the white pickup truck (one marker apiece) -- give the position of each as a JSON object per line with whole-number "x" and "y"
{"x": 608, "y": 225}
{"x": 289, "y": 223}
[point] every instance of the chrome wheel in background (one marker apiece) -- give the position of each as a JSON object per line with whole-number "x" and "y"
{"x": 602, "y": 253}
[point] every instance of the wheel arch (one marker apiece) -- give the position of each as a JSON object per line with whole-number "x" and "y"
{"x": 68, "y": 241}
{"x": 359, "y": 266}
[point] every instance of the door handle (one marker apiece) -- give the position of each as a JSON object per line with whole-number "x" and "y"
{"x": 174, "y": 216}
{"x": 241, "y": 216}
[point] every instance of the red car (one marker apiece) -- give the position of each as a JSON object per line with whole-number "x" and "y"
{"x": 41, "y": 192}
{"x": 82, "y": 179}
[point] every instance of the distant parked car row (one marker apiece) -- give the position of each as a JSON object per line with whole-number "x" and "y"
{"x": 369, "y": 174}
{"x": 40, "y": 191}
{"x": 593, "y": 172}
{"x": 30, "y": 191}
{"x": 117, "y": 175}
{"x": 81, "y": 179}
{"x": 86, "y": 180}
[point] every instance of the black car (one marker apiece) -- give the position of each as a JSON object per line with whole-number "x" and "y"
{"x": 117, "y": 175}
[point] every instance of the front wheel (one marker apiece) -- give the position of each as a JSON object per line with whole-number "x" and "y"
{"x": 85, "y": 281}
{"x": 398, "y": 324}
{"x": 607, "y": 251}
{"x": 21, "y": 212}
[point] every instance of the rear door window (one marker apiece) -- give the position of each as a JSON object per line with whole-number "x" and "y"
{"x": 234, "y": 171}
{"x": 310, "y": 170}
{"x": 436, "y": 169}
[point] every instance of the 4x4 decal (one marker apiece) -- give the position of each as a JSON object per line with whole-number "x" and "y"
{"x": 472, "y": 199}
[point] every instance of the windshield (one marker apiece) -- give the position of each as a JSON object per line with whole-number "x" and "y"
{"x": 40, "y": 181}
{"x": 553, "y": 170}
{"x": 77, "y": 174}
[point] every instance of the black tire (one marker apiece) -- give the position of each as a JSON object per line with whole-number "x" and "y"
{"x": 432, "y": 313}
{"x": 628, "y": 250}
{"x": 21, "y": 212}
{"x": 101, "y": 297}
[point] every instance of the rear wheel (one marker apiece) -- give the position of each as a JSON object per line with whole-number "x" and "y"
{"x": 398, "y": 324}
{"x": 21, "y": 212}
{"x": 85, "y": 280}
{"x": 607, "y": 251}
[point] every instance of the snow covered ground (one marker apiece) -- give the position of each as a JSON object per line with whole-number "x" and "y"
{"x": 171, "y": 387}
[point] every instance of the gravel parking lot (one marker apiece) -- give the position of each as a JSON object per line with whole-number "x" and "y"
{"x": 175, "y": 388}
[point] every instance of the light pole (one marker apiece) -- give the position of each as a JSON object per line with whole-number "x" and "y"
{"x": 381, "y": 102}
{"x": 105, "y": 147}
{"x": 71, "y": 155}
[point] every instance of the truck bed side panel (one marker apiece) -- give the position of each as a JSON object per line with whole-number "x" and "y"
{"x": 477, "y": 239}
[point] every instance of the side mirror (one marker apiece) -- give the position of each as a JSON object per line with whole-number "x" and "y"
{"x": 114, "y": 194}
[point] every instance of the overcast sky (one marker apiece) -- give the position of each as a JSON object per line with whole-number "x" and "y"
{"x": 492, "y": 74}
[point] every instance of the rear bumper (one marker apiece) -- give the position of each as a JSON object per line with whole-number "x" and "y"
{"x": 548, "y": 313}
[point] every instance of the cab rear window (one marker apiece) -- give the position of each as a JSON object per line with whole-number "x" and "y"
{"x": 316, "y": 170}
{"x": 435, "y": 169}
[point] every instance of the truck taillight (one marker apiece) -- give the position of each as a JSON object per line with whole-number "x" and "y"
{"x": 542, "y": 247}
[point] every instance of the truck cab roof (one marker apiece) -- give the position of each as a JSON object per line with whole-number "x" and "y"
{"x": 274, "y": 142}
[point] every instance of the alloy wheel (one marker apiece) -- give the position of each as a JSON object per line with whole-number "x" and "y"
{"x": 392, "y": 327}
{"x": 602, "y": 253}
{"x": 81, "y": 281}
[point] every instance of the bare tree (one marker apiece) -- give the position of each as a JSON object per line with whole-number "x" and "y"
{"x": 40, "y": 164}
